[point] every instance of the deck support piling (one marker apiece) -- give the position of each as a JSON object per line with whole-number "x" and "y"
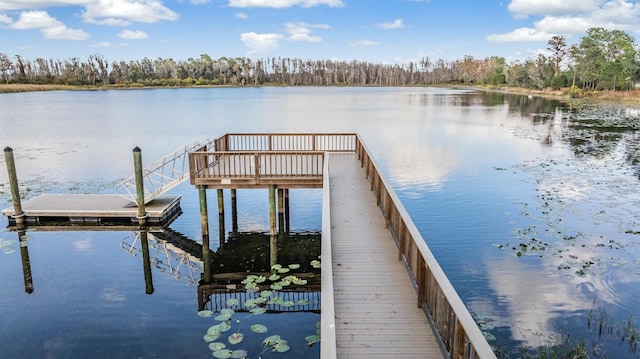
{"x": 204, "y": 221}
{"x": 234, "y": 212}
{"x": 286, "y": 211}
{"x": 281, "y": 229}
{"x": 273, "y": 241}
{"x": 146, "y": 260}
{"x": 221, "y": 215}
{"x": 18, "y": 215}
{"x": 137, "y": 163}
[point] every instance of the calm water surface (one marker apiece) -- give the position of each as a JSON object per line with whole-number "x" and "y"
{"x": 529, "y": 205}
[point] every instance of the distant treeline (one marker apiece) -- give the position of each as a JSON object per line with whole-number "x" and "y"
{"x": 603, "y": 60}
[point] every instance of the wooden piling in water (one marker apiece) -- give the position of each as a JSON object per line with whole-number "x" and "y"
{"x": 137, "y": 163}
{"x": 234, "y": 212}
{"x": 287, "y": 215}
{"x": 15, "y": 190}
{"x": 273, "y": 241}
{"x": 221, "y": 215}
{"x": 281, "y": 229}
{"x": 204, "y": 221}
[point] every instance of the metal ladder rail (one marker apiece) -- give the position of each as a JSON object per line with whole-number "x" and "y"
{"x": 164, "y": 174}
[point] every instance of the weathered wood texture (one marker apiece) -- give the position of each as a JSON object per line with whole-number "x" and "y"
{"x": 375, "y": 303}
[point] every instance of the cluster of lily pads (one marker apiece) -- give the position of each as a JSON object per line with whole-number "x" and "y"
{"x": 256, "y": 305}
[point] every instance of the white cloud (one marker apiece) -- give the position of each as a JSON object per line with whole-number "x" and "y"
{"x": 50, "y": 27}
{"x": 569, "y": 18}
{"x": 133, "y": 35}
{"x": 523, "y": 34}
{"x": 563, "y": 25}
{"x": 260, "y": 43}
{"x": 241, "y": 15}
{"x": 38, "y": 4}
{"x": 363, "y": 43}
{"x": 102, "y": 44}
{"x": 34, "y": 20}
{"x": 5, "y": 19}
{"x": 302, "y": 32}
{"x": 397, "y": 24}
{"x": 552, "y": 7}
{"x": 280, "y": 4}
{"x": 122, "y": 12}
{"x": 61, "y": 32}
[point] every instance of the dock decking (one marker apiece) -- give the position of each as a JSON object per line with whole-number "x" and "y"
{"x": 94, "y": 210}
{"x": 375, "y": 304}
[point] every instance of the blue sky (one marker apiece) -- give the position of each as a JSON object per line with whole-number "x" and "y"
{"x": 380, "y": 31}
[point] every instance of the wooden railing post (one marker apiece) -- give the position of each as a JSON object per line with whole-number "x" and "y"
{"x": 257, "y": 166}
{"x": 421, "y": 279}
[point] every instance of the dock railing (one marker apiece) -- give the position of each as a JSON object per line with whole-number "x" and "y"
{"x": 456, "y": 327}
{"x": 296, "y": 168}
{"x": 325, "y": 142}
{"x": 459, "y": 333}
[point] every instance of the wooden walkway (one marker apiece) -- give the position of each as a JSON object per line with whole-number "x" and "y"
{"x": 376, "y": 312}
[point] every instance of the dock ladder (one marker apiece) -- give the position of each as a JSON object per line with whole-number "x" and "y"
{"x": 163, "y": 174}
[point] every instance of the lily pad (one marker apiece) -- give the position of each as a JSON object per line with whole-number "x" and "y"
{"x": 235, "y": 338}
{"x": 256, "y": 311}
{"x": 312, "y": 339}
{"x": 223, "y": 354}
{"x": 210, "y": 337}
{"x": 281, "y": 346}
{"x": 294, "y": 266}
{"x": 239, "y": 354}
{"x": 205, "y": 313}
{"x": 258, "y": 328}
{"x": 270, "y": 340}
{"x": 219, "y": 328}
{"x": 215, "y": 346}
{"x": 232, "y": 302}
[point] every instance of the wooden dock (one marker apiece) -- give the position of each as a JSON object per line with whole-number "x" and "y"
{"x": 383, "y": 292}
{"x": 376, "y": 314}
{"x": 109, "y": 210}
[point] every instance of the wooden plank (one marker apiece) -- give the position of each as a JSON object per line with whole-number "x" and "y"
{"x": 375, "y": 303}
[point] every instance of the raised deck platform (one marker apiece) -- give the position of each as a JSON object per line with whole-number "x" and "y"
{"x": 94, "y": 210}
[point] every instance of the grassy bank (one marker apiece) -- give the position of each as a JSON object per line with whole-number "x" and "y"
{"x": 629, "y": 98}
{"x": 13, "y": 88}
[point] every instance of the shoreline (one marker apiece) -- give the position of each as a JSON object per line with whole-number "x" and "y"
{"x": 629, "y": 98}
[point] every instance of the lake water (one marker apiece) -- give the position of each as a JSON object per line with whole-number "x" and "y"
{"x": 529, "y": 205}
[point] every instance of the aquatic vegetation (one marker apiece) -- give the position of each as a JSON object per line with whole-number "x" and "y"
{"x": 241, "y": 316}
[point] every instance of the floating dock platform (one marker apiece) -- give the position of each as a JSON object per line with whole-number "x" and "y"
{"x": 94, "y": 210}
